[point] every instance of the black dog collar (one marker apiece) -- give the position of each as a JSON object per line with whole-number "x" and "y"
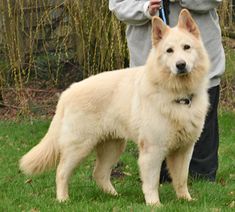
{"x": 185, "y": 100}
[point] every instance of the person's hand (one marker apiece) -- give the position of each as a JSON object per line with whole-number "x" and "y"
{"x": 154, "y": 6}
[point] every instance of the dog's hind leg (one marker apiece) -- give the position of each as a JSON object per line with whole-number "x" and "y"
{"x": 108, "y": 153}
{"x": 178, "y": 165}
{"x": 71, "y": 154}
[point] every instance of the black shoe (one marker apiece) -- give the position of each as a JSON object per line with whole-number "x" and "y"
{"x": 211, "y": 177}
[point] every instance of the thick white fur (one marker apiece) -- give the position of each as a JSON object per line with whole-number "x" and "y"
{"x": 103, "y": 111}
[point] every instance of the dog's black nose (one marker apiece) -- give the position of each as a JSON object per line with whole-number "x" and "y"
{"x": 181, "y": 67}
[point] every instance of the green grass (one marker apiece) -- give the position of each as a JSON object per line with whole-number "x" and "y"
{"x": 39, "y": 195}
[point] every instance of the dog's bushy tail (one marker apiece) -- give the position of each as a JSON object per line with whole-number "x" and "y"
{"x": 44, "y": 155}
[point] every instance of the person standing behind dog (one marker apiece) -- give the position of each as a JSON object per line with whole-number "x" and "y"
{"x": 137, "y": 15}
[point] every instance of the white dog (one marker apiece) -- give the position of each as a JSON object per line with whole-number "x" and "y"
{"x": 160, "y": 106}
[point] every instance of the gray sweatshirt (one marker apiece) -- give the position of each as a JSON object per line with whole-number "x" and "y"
{"x": 138, "y": 33}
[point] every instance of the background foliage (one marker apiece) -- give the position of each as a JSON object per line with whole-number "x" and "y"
{"x": 48, "y": 44}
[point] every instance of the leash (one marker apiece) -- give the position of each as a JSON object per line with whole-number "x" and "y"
{"x": 162, "y": 13}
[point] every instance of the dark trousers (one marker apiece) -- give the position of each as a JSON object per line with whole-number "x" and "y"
{"x": 204, "y": 162}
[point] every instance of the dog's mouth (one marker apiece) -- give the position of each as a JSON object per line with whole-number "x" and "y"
{"x": 183, "y": 72}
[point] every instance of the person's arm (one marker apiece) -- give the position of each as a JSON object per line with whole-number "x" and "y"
{"x": 200, "y": 6}
{"x": 133, "y": 11}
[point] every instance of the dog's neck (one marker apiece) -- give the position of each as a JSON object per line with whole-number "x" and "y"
{"x": 186, "y": 100}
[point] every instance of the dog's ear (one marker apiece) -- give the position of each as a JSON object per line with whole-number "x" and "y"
{"x": 158, "y": 30}
{"x": 186, "y": 22}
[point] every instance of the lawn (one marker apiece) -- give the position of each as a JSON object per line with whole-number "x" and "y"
{"x": 21, "y": 193}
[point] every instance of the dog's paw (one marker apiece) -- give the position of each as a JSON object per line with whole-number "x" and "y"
{"x": 186, "y": 197}
{"x": 154, "y": 204}
{"x": 152, "y": 199}
{"x": 106, "y": 186}
{"x": 62, "y": 199}
{"x": 110, "y": 191}
{"x": 191, "y": 200}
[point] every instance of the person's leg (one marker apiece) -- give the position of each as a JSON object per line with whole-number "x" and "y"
{"x": 164, "y": 175}
{"x": 204, "y": 162}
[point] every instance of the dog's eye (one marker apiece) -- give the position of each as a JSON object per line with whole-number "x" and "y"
{"x": 186, "y": 47}
{"x": 169, "y": 50}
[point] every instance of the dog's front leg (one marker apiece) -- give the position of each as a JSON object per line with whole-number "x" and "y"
{"x": 150, "y": 160}
{"x": 178, "y": 165}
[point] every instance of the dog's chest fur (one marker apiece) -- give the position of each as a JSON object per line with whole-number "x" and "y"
{"x": 184, "y": 130}
{"x": 182, "y": 136}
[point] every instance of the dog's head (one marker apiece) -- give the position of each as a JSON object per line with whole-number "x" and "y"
{"x": 178, "y": 53}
